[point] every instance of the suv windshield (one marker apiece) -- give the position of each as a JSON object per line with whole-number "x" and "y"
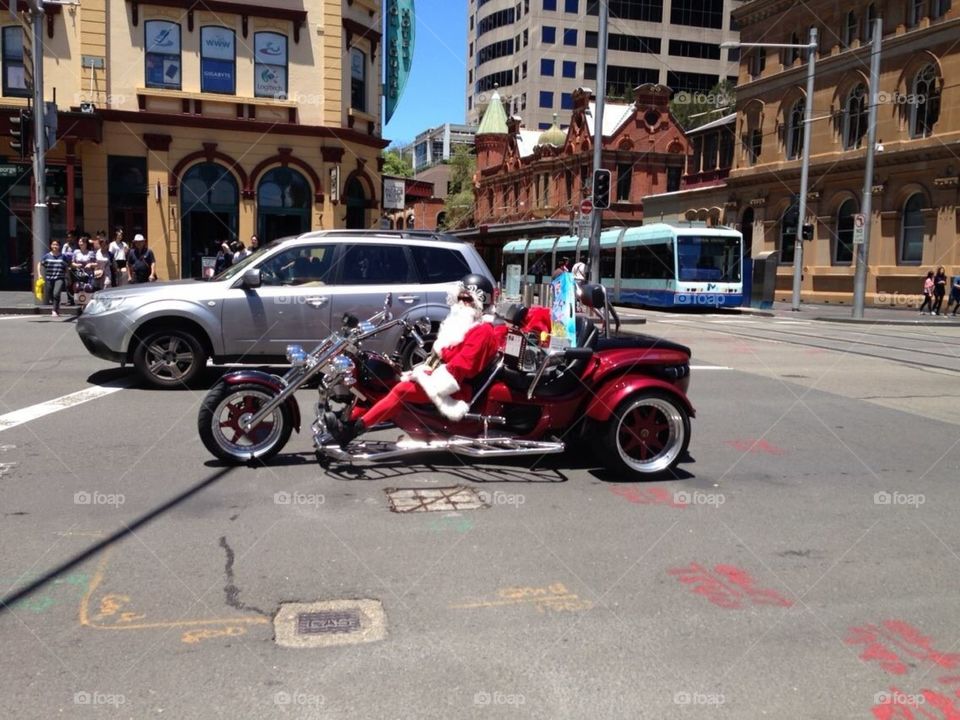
{"x": 238, "y": 269}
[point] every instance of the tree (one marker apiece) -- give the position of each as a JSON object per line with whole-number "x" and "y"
{"x": 693, "y": 109}
{"x": 459, "y": 205}
{"x": 397, "y": 164}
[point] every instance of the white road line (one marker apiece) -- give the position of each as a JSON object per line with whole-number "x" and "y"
{"x": 25, "y": 415}
{"x": 710, "y": 367}
{"x": 19, "y": 317}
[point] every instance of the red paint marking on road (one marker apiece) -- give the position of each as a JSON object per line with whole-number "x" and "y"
{"x": 647, "y": 495}
{"x": 929, "y": 704}
{"x": 727, "y": 586}
{"x": 756, "y": 446}
{"x": 894, "y": 643}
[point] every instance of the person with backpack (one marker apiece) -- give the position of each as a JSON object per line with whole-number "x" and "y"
{"x": 141, "y": 264}
{"x": 927, "y": 294}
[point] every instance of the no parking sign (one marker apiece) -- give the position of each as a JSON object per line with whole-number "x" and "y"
{"x": 859, "y": 226}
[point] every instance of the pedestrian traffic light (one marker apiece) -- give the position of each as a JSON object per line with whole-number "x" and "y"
{"x": 601, "y": 189}
{"x": 20, "y": 128}
{"x": 807, "y": 231}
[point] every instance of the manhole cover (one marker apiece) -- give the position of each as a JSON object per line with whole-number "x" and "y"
{"x": 334, "y": 622}
{"x": 445, "y": 499}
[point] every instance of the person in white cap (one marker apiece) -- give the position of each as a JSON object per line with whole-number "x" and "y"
{"x": 141, "y": 264}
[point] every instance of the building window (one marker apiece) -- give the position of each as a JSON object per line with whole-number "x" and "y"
{"x": 939, "y": 8}
{"x": 358, "y": 80}
{"x": 691, "y": 49}
{"x": 570, "y": 37}
{"x": 855, "y": 118}
{"x": 523, "y": 101}
{"x": 526, "y": 37}
{"x": 503, "y": 48}
{"x": 674, "y": 175}
{"x": 591, "y": 39}
{"x": 566, "y": 101}
{"x": 843, "y": 251}
{"x": 758, "y": 61}
{"x": 697, "y": 13}
{"x": 647, "y": 10}
{"x": 794, "y": 130}
{"x": 548, "y": 35}
{"x": 788, "y": 234}
{"x": 868, "y": 18}
{"x": 14, "y": 78}
{"x": 495, "y": 20}
{"x": 911, "y": 238}
{"x": 523, "y": 73}
{"x": 549, "y": 5}
{"x": 572, "y": 6}
{"x": 569, "y": 69}
{"x": 690, "y": 81}
{"x": 162, "y": 47}
{"x": 546, "y": 99}
{"x": 789, "y": 55}
{"x": 756, "y": 146}
{"x": 849, "y": 29}
{"x": 624, "y": 175}
{"x": 270, "y": 65}
{"x": 711, "y": 143}
{"x": 733, "y": 55}
{"x": 634, "y": 43}
{"x": 218, "y": 60}
{"x": 925, "y": 109}
{"x": 589, "y": 71}
{"x": 546, "y": 67}
{"x": 696, "y": 158}
{"x": 916, "y": 9}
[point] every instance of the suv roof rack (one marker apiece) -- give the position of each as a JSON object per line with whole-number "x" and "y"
{"x": 393, "y": 234}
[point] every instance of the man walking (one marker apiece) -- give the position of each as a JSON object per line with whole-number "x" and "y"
{"x": 141, "y": 264}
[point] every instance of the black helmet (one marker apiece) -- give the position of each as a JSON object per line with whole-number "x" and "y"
{"x": 479, "y": 287}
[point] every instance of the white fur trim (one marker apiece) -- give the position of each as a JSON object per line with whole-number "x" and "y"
{"x": 452, "y": 409}
{"x": 439, "y": 384}
{"x": 454, "y": 328}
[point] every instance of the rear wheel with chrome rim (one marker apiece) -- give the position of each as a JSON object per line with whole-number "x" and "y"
{"x": 647, "y": 434}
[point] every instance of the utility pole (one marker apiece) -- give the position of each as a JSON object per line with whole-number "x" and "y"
{"x": 862, "y": 250}
{"x": 41, "y": 216}
{"x": 804, "y": 170}
{"x": 597, "y": 219}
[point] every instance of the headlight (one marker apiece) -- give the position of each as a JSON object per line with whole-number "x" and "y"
{"x": 343, "y": 364}
{"x": 100, "y": 305}
{"x": 296, "y": 355}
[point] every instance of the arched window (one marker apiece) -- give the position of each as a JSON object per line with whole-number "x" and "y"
{"x": 441, "y": 221}
{"x": 795, "y": 129}
{"x": 925, "y": 105}
{"x": 843, "y": 248}
{"x": 855, "y": 117}
{"x": 788, "y": 234}
{"x": 911, "y": 230}
{"x": 356, "y": 201}
{"x": 849, "y": 29}
{"x": 868, "y": 19}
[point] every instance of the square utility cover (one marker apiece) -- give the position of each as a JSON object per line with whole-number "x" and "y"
{"x": 407, "y": 500}
{"x": 334, "y": 622}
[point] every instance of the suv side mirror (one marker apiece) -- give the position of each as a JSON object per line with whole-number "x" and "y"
{"x": 251, "y": 279}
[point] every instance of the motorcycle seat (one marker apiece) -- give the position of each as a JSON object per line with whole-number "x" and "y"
{"x": 563, "y": 378}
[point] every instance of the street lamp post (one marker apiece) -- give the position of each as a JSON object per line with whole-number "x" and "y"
{"x": 811, "y": 48}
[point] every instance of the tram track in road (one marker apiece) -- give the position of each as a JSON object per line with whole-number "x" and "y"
{"x": 912, "y": 356}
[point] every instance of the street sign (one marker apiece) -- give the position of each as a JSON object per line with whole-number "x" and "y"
{"x": 394, "y": 194}
{"x": 583, "y": 226}
{"x": 586, "y": 207}
{"x": 859, "y": 226}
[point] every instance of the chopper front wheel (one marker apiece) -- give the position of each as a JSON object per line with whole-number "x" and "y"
{"x": 221, "y": 419}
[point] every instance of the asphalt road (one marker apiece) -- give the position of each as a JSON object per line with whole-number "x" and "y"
{"x": 803, "y": 566}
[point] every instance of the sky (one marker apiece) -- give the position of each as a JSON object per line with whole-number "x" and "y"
{"x": 435, "y": 92}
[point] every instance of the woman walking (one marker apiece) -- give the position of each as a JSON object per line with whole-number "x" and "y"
{"x": 53, "y": 266}
{"x": 103, "y": 273}
{"x": 119, "y": 249}
{"x": 939, "y": 289}
{"x": 927, "y": 294}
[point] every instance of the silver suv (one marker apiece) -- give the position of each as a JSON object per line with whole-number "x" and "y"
{"x": 294, "y": 290}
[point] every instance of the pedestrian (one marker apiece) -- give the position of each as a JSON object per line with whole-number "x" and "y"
{"x": 68, "y": 247}
{"x": 927, "y": 293}
{"x": 141, "y": 264}
{"x": 53, "y": 267}
{"x": 105, "y": 270}
{"x": 254, "y": 244}
{"x": 562, "y": 267}
{"x": 537, "y": 270}
{"x": 240, "y": 252}
{"x": 579, "y": 271}
{"x": 955, "y": 295}
{"x": 939, "y": 289}
{"x": 119, "y": 248}
{"x": 224, "y": 255}
{"x": 83, "y": 264}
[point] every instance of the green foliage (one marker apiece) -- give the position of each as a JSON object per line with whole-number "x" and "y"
{"x": 691, "y": 110}
{"x": 460, "y": 201}
{"x": 396, "y": 164}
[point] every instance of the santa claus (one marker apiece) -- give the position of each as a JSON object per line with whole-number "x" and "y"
{"x": 465, "y": 345}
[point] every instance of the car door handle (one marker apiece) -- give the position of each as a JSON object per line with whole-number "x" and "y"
{"x": 317, "y": 301}
{"x": 408, "y": 298}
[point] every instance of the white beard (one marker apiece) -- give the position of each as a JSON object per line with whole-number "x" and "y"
{"x": 454, "y": 329}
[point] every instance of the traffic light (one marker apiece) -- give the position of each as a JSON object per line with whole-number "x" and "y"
{"x": 21, "y": 127}
{"x": 601, "y": 189}
{"x": 807, "y": 231}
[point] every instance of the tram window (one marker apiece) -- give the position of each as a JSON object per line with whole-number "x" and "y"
{"x": 608, "y": 262}
{"x": 709, "y": 260}
{"x": 649, "y": 262}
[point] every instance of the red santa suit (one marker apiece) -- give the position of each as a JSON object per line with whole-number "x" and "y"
{"x": 465, "y": 347}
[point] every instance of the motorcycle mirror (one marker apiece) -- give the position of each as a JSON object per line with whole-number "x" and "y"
{"x": 593, "y": 296}
{"x": 423, "y": 325}
{"x": 388, "y": 301}
{"x": 350, "y": 321}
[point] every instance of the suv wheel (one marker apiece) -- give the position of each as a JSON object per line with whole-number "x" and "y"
{"x": 169, "y": 358}
{"x": 412, "y": 354}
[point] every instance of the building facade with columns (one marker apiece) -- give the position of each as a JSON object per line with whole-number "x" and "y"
{"x": 199, "y": 122}
{"x": 531, "y": 183}
{"x": 915, "y": 224}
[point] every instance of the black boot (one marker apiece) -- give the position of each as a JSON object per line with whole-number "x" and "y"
{"x": 342, "y": 432}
